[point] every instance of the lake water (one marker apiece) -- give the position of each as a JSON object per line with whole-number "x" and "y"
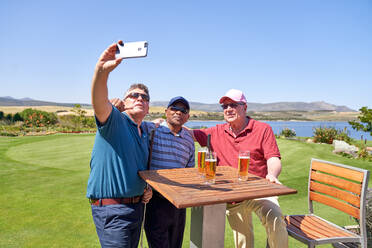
{"x": 302, "y": 128}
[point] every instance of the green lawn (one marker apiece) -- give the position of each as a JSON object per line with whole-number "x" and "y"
{"x": 43, "y": 184}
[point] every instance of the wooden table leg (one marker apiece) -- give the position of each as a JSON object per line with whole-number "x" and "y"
{"x": 208, "y": 226}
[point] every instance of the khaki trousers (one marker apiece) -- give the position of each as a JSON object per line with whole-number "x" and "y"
{"x": 268, "y": 210}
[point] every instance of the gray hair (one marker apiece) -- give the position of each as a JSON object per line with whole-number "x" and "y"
{"x": 137, "y": 86}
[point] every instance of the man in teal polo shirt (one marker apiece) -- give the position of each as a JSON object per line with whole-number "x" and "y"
{"x": 173, "y": 147}
{"x": 115, "y": 190}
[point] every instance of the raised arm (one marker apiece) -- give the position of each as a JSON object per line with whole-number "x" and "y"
{"x": 106, "y": 63}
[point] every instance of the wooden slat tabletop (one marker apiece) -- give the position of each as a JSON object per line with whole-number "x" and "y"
{"x": 185, "y": 188}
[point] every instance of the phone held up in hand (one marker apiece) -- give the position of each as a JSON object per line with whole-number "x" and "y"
{"x": 136, "y": 49}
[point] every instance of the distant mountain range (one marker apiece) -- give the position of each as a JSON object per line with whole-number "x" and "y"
{"x": 10, "y": 101}
{"x": 267, "y": 107}
{"x": 257, "y": 107}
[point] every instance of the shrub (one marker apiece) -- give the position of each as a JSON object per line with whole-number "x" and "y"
{"x": 324, "y": 134}
{"x": 38, "y": 118}
{"x": 2, "y": 133}
{"x": 328, "y": 134}
{"x": 10, "y": 130}
{"x": 76, "y": 123}
{"x": 343, "y": 136}
{"x": 288, "y": 133}
{"x": 363, "y": 152}
{"x": 89, "y": 122}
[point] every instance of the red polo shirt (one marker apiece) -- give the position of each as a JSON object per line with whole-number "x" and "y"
{"x": 257, "y": 137}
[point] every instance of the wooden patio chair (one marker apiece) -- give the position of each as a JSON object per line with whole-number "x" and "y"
{"x": 341, "y": 187}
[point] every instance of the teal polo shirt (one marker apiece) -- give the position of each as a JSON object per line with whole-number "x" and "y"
{"x": 118, "y": 154}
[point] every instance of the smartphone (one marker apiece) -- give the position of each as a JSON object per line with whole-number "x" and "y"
{"x": 136, "y": 49}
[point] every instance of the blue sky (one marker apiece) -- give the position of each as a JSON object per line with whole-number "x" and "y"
{"x": 272, "y": 50}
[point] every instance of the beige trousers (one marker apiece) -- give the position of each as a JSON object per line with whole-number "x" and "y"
{"x": 268, "y": 210}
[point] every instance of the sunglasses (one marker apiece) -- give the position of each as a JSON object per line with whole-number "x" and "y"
{"x": 175, "y": 109}
{"x": 232, "y": 105}
{"x": 136, "y": 95}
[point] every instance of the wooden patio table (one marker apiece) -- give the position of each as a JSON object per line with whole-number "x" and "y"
{"x": 186, "y": 188}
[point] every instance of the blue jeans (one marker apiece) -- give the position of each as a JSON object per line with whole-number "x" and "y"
{"x": 118, "y": 225}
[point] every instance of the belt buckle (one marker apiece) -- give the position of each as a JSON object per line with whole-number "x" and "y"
{"x": 93, "y": 201}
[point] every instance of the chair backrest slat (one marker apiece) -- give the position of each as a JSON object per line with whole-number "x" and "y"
{"x": 337, "y": 193}
{"x": 342, "y": 206}
{"x": 338, "y": 171}
{"x": 356, "y": 188}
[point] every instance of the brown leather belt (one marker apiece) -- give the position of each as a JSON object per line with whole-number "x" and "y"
{"x": 113, "y": 201}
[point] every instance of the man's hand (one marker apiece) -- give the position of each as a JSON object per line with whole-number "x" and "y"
{"x": 272, "y": 179}
{"x": 158, "y": 121}
{"x": 147, "y": 194}
{"x": 107, "y": 62}
{"x": 118, "y": 103}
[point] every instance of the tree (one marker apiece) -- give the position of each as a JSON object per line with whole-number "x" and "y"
{"x": 80, "y": 119}
{"x": 17, "y": 117}
{"x": 364, "y": 122}
{"x": 80, "y": 112}
{"x": 8, "y": 117}
{"x": 1, "y": 115}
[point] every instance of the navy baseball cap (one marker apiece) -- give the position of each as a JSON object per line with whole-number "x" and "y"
{"x": 179, "y": 99}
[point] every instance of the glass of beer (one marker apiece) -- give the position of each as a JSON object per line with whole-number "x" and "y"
{"x": 243, "y": 165}
{"x": 210, "y": 167}
{"x": 201, "y": 160}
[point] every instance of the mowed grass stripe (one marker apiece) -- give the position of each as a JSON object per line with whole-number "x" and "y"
{"x": 55, "y": 153}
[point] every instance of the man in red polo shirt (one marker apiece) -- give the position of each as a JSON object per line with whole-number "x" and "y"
{"x": 243, "y": 133}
